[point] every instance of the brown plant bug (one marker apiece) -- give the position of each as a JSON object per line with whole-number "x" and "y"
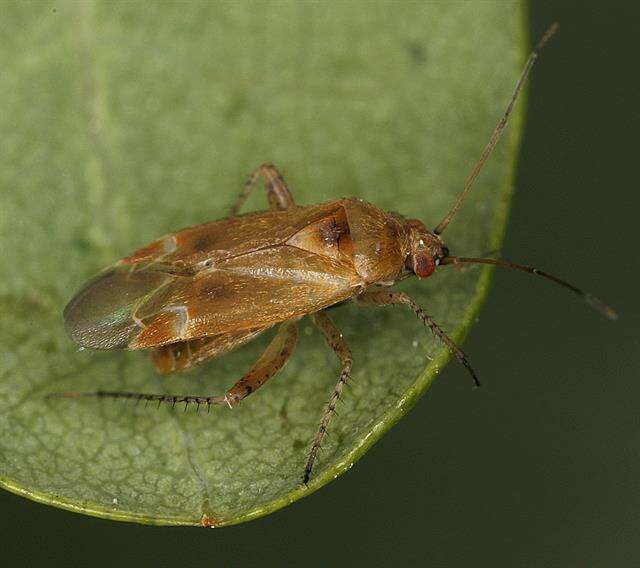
{"x": 200, "y": 292}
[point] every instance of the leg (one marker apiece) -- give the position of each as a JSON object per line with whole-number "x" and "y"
{"x": 383, "y": 298}
{"x": 278, "y": 193}
{"x": 337, "y": 343}
{"x": 270, "y": 362}
{"x": 184, "y": 355}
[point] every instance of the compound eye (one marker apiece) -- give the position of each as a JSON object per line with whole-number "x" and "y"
{"x": 423, "y": 265}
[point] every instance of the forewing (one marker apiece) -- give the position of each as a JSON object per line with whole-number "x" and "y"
{"x": 255, "y": 290}
{"x": 225, "y": 276}
{"x": 189, "y": 249}
{"x": 102, "y": 314}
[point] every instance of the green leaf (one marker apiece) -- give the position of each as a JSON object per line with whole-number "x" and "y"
{"x": 122, "y": 122}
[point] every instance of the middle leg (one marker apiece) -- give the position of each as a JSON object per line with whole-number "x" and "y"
{"x": 338, "y": 344}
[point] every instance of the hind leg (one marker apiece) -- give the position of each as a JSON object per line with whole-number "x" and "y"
{"x": 270, "y": 362}
{"x": 184, "y": 355}
{"x": 278, "y": 193}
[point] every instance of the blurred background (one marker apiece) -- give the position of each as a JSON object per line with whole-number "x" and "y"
{"x": 539, "y": 467}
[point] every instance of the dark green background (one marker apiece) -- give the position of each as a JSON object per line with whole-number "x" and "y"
{"x": 539, "y": 467}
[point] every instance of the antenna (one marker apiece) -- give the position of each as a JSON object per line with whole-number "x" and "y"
{"x": 596, "y": 303}
{"x": 488, "y": 149}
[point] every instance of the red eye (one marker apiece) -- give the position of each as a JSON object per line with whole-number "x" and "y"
{"x": 423, "y": 266}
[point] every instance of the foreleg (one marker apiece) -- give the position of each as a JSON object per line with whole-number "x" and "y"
{"x": 383, "y": 298}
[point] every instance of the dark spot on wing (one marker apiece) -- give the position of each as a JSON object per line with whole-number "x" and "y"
{"x": 205, "y": 242}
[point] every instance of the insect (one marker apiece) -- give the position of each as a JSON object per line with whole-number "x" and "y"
{"x": 200, "y": 292}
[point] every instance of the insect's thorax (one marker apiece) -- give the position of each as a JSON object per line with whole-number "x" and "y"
{"x": 371, "y": 242}
{"x": 379, "y": 242}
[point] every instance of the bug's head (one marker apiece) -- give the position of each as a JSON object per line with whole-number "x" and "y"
{"x": 426, "y": 249}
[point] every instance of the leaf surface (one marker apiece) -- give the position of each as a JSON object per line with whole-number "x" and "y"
{"x": 122, "y": 122}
